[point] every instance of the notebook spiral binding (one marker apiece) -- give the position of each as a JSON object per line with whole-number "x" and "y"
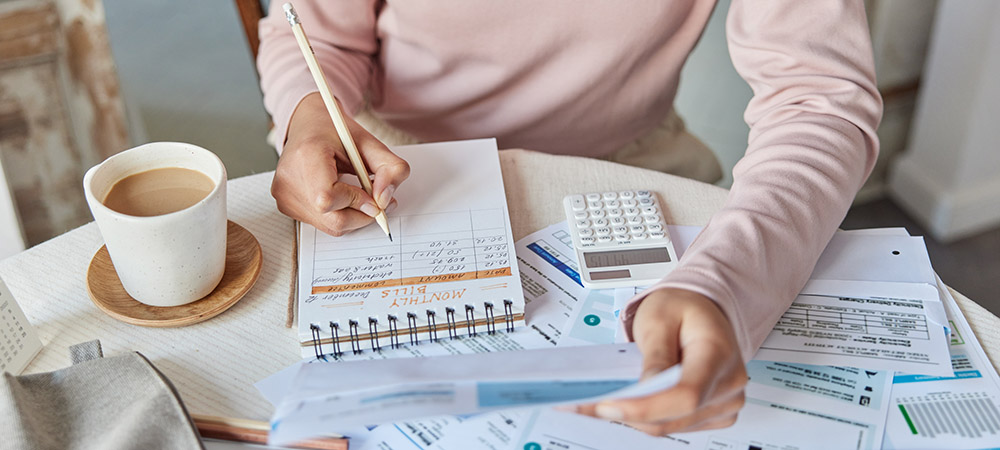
{"x": 412, "y": 329}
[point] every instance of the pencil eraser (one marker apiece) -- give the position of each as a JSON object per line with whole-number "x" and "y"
{"x": 290, "y": 14}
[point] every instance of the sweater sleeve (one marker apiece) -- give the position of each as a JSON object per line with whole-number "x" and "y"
{"x": 812, "y": 144}
{"x": 343, "y": 36}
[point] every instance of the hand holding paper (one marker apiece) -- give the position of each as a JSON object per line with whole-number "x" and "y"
{"x": 676, "y": 326}
{"x": 372, "y": 392}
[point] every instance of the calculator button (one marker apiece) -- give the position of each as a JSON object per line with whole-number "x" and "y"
{"x": 643, "y": 194}
{"x": 652, "y": 218}
{"x": 597, "y": 214}
{"x": 639, "y": 236}
{"x": 577, "y": 202}
{"x": 636, "y": 228}
{"x": 600, "y": 222}
{"x": 617, "y": 221}
{"x": 586, "y": 241}
{"x": 585, "y": 232}
{"x": 603, "y": 231}
{"x": 658, "y": 235}
{"x": 630, "y": 212}
{"x": 614, "y": 213}
{"x": 580, "y": 215}
{"x": 612, "y": 203}
{"x": 629, "y": 203}
{"x": 610, "y": 195}
{"x": 643, "y": 202}
{"x": 622, "y": 238}
{"x": 626, "y": 194}
{"x": 595, "y": 205}
{"x": 654, "y": 227}
{"x": 634, "y": 220}
{"x": 620, "y": 230}
{"x": 649, "y": 210}
{"x": 593, "y": 197}
{"x": 582, "y": 223}
{"x": 604, "y": 239}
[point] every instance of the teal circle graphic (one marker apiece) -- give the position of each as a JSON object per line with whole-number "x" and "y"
{"x": 532, "y": 446}
{"x": 591, "y": 320}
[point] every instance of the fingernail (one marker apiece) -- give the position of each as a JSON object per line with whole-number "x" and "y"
{"x": 369, "y": 209}
{"x": 609, "y": 412}
{"x": 392, "y": 207}
{"x": 565, "y": 408}
{"x": 386, "y": 196}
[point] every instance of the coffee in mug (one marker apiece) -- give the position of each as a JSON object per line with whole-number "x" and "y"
{"x": 161, "y": 209}
{"x": 158, "y": 191}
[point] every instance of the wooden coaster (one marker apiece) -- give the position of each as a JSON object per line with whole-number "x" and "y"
{"x": 243, "y": 263}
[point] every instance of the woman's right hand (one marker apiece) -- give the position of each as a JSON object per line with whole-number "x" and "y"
{"x": 306, "y": 185}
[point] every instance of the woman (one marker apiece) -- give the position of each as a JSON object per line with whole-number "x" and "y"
{"x": 598, "y": 79}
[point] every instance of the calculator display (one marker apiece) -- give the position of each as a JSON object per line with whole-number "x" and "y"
{"x": 626, "y": 257}
{"x": 610, "y": 274}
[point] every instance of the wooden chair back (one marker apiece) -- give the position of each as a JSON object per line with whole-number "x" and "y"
{"x": 250, "y": 11}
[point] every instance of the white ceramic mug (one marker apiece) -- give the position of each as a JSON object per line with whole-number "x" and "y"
{"x": 170, "y": 259}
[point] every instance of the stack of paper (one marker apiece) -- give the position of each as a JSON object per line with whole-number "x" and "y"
{"x": 825, "y": 378}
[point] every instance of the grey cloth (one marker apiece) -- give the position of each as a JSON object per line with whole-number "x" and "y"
{"x": 120, "y": 402}
{"x": 85, "y": 352}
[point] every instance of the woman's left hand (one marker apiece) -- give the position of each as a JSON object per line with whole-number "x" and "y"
{"x": 672, "y": 326}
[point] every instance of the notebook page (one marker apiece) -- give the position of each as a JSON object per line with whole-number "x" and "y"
{"x": 452, "y": 247}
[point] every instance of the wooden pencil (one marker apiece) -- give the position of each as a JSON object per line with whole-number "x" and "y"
{"x": 255, "y": 432}
{"x": 334, "y": 109}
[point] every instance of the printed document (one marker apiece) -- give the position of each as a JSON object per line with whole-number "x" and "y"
{"x": 368, "y": 392}
{"x": 19, "y": 342}
{"x": 551, "y": 279}
{"x": 881, "y": 333}
{"x": 959, "y": 412}
{"x": 764, "y": 424}
{"x": 790, "y": 405}
{"x": 277, "y": 386}
{"x": 876, "y": 325}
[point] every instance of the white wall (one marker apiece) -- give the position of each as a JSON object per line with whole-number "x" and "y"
{"x": 949, "y": 178}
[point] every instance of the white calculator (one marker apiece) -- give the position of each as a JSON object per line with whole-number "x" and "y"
{"x": 620, "y": 238}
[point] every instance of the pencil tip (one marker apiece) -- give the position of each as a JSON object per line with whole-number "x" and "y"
{"x": 390, "y": 237}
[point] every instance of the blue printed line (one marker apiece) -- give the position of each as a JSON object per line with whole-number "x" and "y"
{"x": 393, "y": 395}
{"x": 568, "y": 271}
{"x": 919, "y": 378}
{"x": 407, "y": 436}
{"x": 492, "y": 394}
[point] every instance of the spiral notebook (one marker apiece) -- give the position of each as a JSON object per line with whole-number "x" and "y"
{"x": 449, "y": 271}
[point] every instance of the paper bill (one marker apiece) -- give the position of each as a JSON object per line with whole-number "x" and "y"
{"x": 789, "y": 407}
{"x": 551, "y": 279}
{"x": 879, "y": 333}
{"x": 368, "y": 392}
{"x": 958, "y": 412}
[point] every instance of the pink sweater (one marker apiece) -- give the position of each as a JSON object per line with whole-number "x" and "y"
{"x": 587, "y": 78}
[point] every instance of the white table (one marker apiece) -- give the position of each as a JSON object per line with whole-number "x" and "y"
{"x": 214, "y": 363}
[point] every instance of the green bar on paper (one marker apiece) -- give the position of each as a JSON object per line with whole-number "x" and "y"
{"x": 908, "y": 421}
